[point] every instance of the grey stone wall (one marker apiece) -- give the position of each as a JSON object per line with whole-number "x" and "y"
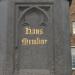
{"x": 59, "y": 56}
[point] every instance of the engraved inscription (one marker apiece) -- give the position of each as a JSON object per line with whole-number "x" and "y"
{"x": 28, "y": 31}
{"x": 37, "y": 41}
{"x": 31, "y": 31}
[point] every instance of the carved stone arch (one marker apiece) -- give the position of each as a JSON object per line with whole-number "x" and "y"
{"x": 24, "y": 55}
{"x": 29, "y": 11}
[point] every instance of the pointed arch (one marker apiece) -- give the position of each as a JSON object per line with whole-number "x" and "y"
{"x": 28, "y": 9}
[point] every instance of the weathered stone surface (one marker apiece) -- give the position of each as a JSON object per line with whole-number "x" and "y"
{"x": 52, "y": 58}
{"x": 3, "y": 35}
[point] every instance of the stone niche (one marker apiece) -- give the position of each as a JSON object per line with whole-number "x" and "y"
{"x": 34, "y": 37}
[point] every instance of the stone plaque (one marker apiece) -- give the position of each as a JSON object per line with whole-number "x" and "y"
{"x": 34, "y": 37}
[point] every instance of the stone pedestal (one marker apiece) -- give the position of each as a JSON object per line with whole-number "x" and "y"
{"x": 34, "y": 37}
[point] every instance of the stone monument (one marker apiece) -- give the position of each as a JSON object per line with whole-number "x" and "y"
{"x": 34, "y": 37}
